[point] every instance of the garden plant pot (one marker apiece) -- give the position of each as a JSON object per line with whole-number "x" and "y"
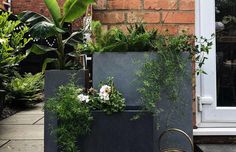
{"x": 123, "y": 66}
{"x": 120, "y": 133}
{"x": 2, "y": 100}
{"x": 54, "y": 79}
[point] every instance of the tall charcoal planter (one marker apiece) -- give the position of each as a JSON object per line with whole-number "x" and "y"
{"x": 123, "y": 66}
{"x": 2, "y": 100}
{"x": 54, "y": 79}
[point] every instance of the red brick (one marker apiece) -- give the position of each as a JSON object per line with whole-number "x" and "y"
{"x": 152, "y": 17}
{"x": 178, "y": 17}
{"x": 109, "y": 17}
{"x": 164, "y": 29}
{"x": 187, "y": 4}
{"x": 160, "y": 4}
{"x": 100, "y": 5}
{"x": 124, "y": 4}
{"x": 190, "y": 29}
{"x": 121, "y": 27}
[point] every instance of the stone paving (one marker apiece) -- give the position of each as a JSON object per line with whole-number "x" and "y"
{"x": 23, "y": 132}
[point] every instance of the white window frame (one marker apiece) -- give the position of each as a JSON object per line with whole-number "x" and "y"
{"x": 205, "y": 13}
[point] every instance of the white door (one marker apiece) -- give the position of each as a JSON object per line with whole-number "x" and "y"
{"x": 216, "y": 91}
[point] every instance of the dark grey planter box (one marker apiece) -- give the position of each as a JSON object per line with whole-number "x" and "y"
{"x": 54, "y": 79}
{"x": 2, "y": 100}
{"x": 123, "y": 67}
{"x": 119, "y": 133}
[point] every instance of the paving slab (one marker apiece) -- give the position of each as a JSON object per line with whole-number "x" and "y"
{"x": 218, "y": 148}
{"x": 40, "y": 122}
{"x": 15, "y": 132}
{"x": 2, "y": 142}
{"x": 35, "y": 110}
{"x": 19, "y": 119}
{"x": 23, "y": 146}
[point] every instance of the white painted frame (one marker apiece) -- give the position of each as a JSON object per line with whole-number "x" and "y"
{"x": 211, "y": 116}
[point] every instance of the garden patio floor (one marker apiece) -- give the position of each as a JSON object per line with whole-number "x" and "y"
{"x": 24, "y": 131}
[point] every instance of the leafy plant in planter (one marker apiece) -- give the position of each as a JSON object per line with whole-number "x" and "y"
{"x": 114, "y": 40}
{"x": 74, "y": 111}
{"x": 12, "y": 42}
{"x": 27, "y": 89}
{"x": 43, "y": 27}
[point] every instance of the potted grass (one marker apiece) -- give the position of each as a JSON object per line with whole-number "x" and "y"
{"x": 42, "y": 28}
{"x": 154, "y": 73}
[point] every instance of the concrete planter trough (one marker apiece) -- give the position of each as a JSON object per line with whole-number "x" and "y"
{"x": 118, "y": 133}
{"x": 54, "y": 79}
{"x": 123, "y": 66}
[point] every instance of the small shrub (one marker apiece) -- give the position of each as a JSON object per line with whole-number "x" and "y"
{"x": 25, "y": 89}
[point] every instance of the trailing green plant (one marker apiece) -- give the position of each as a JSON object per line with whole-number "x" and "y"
{"x": 73, "y": 109}
{"x": 165, "y": 72}
{"x": 115, "y": 40}
{"x": 12, "y": 42}
{"x": 109, "y": 99}
{"x": 25, "y": 89}
{"x": 43, "y": 27}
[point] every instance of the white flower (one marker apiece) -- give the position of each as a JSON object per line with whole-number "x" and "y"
{"x": 105, "y": 89}
{"x": 104, "y": 92}
{"x": 83, "y": 98}
{"x": 2, "y": 41}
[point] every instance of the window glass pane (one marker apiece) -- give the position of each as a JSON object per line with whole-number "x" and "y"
{"x": 226, "y": 52}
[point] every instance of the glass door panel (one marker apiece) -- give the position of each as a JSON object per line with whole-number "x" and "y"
{"x": 226, "y": 52}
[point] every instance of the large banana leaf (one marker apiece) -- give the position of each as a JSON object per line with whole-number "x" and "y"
{"x": 45, "y": 29}
{"x": 54, "y": 10}
{"x": 41, "y": 49}
{"x": 74, "y": 39}
{"x": 31, "y": 17}
{"x": 74, "y": 9}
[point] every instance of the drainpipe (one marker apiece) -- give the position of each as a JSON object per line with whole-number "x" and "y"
{"x": 9, "y": 2}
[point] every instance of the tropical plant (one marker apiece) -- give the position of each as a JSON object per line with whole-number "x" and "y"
{"x": 43, "y": 27}
{"x": 12, "y": 42}
{"x": 25, "y": 89}
{"x": 115, "y": 40}
{"x": 73, "y": 109}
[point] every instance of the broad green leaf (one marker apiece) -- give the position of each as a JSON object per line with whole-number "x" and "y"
{"x": 55, "y": 10}
{"x": 46, "y": 62}
{"x": 73, "y": 39}
{"x": 74, "y": 9}
{"x": 40, "y": 49}
{"x": 32, "y": 17}
{"x": 45, "y": 29}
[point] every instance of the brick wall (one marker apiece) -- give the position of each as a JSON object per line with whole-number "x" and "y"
{"x": 173, "y": 15}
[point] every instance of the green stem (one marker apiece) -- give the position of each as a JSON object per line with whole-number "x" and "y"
{"x": 61, "y": 53}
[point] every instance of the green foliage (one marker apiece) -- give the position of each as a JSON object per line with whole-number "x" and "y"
{"x": 165, "y": 72}
{"x": 114, "y": 40}
{"x": 12, "y": 42}
{"x": 25, "y": 89}
{"x": 42, "y": 27}
{"x": 73, "y": 109}
{"x": 74, "y": 116}
{"x": 115, "y": 101}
